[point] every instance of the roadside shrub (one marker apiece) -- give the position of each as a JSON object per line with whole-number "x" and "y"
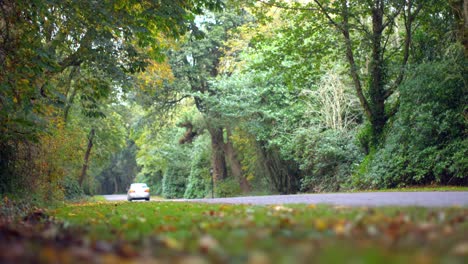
{"x": 199, "y": 181}
{"x": 165, "y": 164}
{"x": 174, "y": 181}
{"x": 327, "y": 159}
{"x": 72, "y": 189}
{"x": 427, "y": 141}
{"x": 227, "y": 188}
{"x": 12, "y": 207}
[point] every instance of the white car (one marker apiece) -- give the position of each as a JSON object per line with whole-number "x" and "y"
{"x": 138, "y": 191}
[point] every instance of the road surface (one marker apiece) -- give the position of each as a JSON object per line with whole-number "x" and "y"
{"x": 425, "y": 199}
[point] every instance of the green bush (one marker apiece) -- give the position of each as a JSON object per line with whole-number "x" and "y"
{"x": 227, "y": 188}
{"x": 174, "y": 181}
{"x": 199, "y": 181}
{"x": 427, "y": 140}
{"x": 327, "y": 159}
{"x": 72, "y": 189}
{"x": 165, "y": 164}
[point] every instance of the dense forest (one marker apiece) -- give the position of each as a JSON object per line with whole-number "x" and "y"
{"x": 231, "y": 97}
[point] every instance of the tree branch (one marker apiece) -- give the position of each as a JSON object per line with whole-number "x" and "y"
{"x": 352, "y": 63}
{"x": 324, "y": 11}
{"x": 176, "y": 101}
{"x": 392, "y": 17}
{"x": 408, "y": 20}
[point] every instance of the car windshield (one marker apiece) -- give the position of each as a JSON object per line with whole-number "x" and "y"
{"x": 138, "y": 185}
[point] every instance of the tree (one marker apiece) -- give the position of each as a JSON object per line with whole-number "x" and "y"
{"x": 52, "y": 52}
{"x": 370, "y": 28}
{"x": 194, "y": 65}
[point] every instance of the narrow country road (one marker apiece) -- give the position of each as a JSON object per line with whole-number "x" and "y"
{"x": 425, "y": 199}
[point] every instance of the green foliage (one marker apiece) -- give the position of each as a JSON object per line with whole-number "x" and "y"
{"x": 60, "y": 58}
{"x": 326, "y": 158}
{"x": 280, "y": 88}
{"x": 199, "y": 181}
{"x": 266, "y": 110}
{"x": 359, "y": 179}
{"x": 227, "y": 188}
{"x": 120, "y": 172}
{"x": 364, "y": 137}
{"x": 168, "y": 166}
{"x": 298, "y": 47}
{"x": 72, "y": 189}
{"x": 427, "y": 142}
{"x": 174, "y": 181}
{"x": 153, "y": 179}
{"x": 178, "y": 166}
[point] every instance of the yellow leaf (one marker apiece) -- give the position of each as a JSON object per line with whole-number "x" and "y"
{"x": 340, "y": 228}
{"x": 282, "y": 208}
{"x": 24, "y": 81}
{"x": 320, "y": 224}
{"x": 172, "y": 243}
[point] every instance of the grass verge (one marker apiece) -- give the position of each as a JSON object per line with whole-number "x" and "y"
{"x": 275, "y": 234}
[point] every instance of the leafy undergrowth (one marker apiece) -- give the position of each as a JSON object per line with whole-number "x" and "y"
{"x": 174, "y": 232}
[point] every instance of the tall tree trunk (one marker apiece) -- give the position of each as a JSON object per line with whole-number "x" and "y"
{"x": 377, "y": 88}
{"x": 218, "y": 159}
{"x": 86, "y": 157}
{"x": 8, "y": 19}
{"x": 236, "y": 166}
{"x": 460, "y": 10}
{"x": 465, "y": 27}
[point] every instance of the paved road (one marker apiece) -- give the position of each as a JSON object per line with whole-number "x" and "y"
{"x": 116, "y": 197}
{"x": 425, "y": 199}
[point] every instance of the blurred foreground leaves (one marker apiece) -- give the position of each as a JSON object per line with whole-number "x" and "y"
{"x": 163, "y": 232}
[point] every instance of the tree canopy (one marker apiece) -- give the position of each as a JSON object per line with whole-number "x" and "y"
{"x": 209, "y": 96}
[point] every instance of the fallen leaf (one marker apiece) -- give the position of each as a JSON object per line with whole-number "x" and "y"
{"x": 207, "y": 243}
{"x": 281, "y": 208}
{"x": 342, "y": 228}
{"x": 372, "y": 230}
{"x": 126, "y": 250}
{"x": 425, "y": 227}
{"x": 461, "y": 249}
{"x": 448, "y": 230}
{"x": 320, "y": 224}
